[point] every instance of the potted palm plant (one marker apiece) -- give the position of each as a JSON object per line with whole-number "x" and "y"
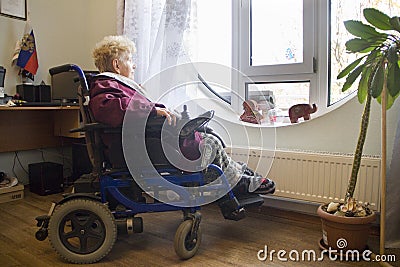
{"x": 378, "y": 74}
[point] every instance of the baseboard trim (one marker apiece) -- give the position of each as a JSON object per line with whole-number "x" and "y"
{"x": 304, "y": 207}
{"x": 295, "y": 205}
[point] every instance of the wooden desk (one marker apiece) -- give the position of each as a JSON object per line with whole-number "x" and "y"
{"x": 25, "y": 128}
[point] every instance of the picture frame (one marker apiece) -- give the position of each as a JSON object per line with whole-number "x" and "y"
{"x": 16, "y": 9}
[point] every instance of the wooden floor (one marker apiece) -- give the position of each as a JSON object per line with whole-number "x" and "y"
{"x": 225, "y": 243}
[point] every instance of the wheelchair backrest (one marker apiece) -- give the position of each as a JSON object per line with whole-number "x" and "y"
{"x": 94, "y": 144}
{"x": 92, "y": 134}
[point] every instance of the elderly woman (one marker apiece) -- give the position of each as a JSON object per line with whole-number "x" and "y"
{"x": 112, "y": 91}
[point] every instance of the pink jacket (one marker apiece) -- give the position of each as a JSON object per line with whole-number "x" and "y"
{"x": 109, "y": 100}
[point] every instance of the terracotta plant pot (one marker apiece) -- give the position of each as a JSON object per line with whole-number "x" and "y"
{"x": 345, "y": 233}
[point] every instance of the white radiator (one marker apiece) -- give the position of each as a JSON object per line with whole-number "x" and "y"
{"x": 316, "y": 177}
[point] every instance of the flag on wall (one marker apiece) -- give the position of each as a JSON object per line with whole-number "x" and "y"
{"x": 27, "y": 57}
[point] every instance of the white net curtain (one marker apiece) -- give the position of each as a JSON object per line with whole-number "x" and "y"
{"x": 166, "y": 35}
{"x": 159, "y": 28}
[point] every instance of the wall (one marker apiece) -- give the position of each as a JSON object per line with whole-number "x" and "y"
{"x": 338, "y": 130}
{"x": 66, "y": 32}
{"x": 334, "y": 132}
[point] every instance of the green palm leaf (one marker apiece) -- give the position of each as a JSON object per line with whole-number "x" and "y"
{"x": 395, "y": 22}
{"x": 359, "y": 45}
{"x": 377, "y": 19}
{"x": 352, "y": 78}
{"x": 349, "y": 68}
{"x": 393, "y": 79}
{"x": 392, "y": 54}
{"x": 389, "y": 100}
{"x": 362, "y": 90}
{"x": 377, "y": 81}
{"x": 359, "y": 29}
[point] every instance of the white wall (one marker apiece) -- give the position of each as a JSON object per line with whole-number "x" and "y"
{"x": 338, "y": 130}
{"x": 66, "y": 32}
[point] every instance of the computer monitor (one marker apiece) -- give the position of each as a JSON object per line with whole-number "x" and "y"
{"x": 64, "y": 85}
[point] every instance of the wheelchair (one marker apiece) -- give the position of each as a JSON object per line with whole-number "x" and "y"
{"x": 83, "y": 226}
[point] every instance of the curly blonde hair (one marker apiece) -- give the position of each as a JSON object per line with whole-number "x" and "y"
{"x": 110, "y": 48}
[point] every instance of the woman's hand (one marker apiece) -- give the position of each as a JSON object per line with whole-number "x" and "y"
{"x": 163, "y": 112}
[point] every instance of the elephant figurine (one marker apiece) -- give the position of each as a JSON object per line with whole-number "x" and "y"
{"x": 301, "y": 110}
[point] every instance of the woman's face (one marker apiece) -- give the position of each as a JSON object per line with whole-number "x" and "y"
{"x": 125, "y": 66}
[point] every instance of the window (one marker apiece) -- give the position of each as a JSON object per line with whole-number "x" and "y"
{"x": 277, "y": 53}
{"x": 212, "y": 40}
{"x": 213, "y": 32}
{"x": 340, "y": 11}
{"x": 290, "y": 49}
{"x": 283, "y": 39}
{"x": 276, "y": 37}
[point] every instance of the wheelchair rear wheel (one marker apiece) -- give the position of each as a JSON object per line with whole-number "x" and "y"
{"x": 185, "y": 246}
{"x": 82, "y": 230}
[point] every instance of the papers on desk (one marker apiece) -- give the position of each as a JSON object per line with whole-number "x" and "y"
{"x": 8, "y": 182}
{"x": 5, "y": 101}
{"x": 10, "y": 103}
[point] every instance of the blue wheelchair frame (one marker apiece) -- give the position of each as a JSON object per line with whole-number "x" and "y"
{"x": 111, "y": 183}
{"x": 89, "y": 212}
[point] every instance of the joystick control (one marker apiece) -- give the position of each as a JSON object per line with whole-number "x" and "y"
{"x": 185, "y": 114}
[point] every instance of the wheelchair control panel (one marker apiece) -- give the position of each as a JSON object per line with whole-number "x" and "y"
{"x": 196, "y": 123}
{"x": 183, "y": 128}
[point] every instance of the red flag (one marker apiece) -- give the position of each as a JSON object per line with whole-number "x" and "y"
{"x": 27, "y": 58}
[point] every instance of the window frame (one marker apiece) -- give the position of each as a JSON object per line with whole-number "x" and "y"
{"x": 315, "y": 67}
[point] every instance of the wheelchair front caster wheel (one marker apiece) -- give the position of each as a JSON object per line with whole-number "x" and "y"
{"x": 186, "y": 246}
{"x": 41, "y": 234}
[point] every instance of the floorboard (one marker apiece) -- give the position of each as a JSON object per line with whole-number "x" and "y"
{"x": 224, "y": 243}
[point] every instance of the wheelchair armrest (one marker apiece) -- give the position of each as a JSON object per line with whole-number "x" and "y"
{"x": 155, "y": 124}
{"x": 96, "y": 126}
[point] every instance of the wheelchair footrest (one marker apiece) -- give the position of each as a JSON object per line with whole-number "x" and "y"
{"x": 234, "y": 209}
{"x": 252, "y": 200}
{"x": 235, "y": 215}
{"x": 231, "y": 209}
{"x": 43, "y": 219}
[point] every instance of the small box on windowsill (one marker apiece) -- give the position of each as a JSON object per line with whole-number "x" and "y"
{"x": 8, "y": 194}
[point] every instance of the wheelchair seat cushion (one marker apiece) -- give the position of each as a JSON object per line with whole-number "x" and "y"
{"x": 114, "y": 155}
{"x": 109, "y": 100}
